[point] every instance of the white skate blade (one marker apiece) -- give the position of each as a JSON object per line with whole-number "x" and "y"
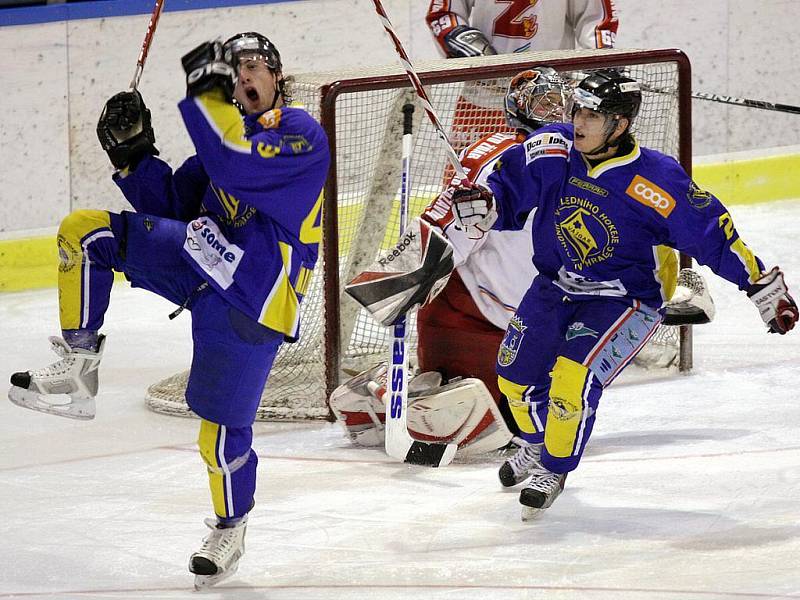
{"x": 62, "y": 405}
{"x": 531, "y": 514}
{"x": 204, "y": 582}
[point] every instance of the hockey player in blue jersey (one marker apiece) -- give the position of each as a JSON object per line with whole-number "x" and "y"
{"x": 232, "y": 235}
{"x": 605, "y": 208}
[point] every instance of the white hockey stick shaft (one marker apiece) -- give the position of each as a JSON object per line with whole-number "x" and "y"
{"x": 423, "y": 96}
{"x": 398, "y": 442}
{"x": 148, "y": 39}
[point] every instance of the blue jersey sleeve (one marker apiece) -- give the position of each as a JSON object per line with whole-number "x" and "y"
{"x": 283, "y": 157}
{"x": 699, "y": 225}
{"x": 526, "y": 173}
{"x": 152, "y": 188}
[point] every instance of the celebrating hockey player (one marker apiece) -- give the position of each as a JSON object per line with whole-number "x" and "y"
{"x": 602, "y": 207}
{"x": 460, "y": 330}
{"x": 232, "y": 236}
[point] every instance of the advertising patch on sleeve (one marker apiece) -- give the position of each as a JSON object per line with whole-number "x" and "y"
{"x": 546, "y": 144}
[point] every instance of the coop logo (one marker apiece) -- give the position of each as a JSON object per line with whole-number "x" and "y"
{"x": 649, "y": 194}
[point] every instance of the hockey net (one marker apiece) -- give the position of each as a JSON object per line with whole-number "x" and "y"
{"x": 361, "y": 113}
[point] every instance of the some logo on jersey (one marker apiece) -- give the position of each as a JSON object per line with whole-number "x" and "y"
{"x": 546, "y": 144}
{"x": 578, "y": 329}
{"x": 648, "y": 193}
{"x": 210, "y": 249}
{"x": 586, "y": 233}
{"x": 698, "y": 198}
{"x": 512, "y": 340}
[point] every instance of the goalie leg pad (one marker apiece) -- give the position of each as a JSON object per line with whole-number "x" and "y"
{"x": 463, "y": 412}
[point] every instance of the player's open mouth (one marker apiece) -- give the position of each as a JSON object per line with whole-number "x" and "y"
{"x": 252, "y": 94}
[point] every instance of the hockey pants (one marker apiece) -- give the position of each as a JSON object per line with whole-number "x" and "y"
{"x": 557, "y": 357}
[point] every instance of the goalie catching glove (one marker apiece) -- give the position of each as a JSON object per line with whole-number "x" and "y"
{"x": 410, "y": 274}
{"x": 771, "y": 297}
{"x": 473, "y": 209}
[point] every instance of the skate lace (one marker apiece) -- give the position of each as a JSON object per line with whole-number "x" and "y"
{"x": 544, "y": 481}
{"x": 526, "y": 458}
{"x": 220, "y": 542}
{"x": 58, "y": 368}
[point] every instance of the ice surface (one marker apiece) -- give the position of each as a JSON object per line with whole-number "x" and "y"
{"x": 690, "y": 487}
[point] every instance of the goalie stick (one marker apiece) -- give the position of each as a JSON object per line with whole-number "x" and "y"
{"x": 398, "y": 442}
{"x": 148, "y": 39}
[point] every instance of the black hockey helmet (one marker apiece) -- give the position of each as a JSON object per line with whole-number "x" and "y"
{"x": 251, "y": 42}
{"x": 608, "y": 91}
{"x": 535, "y": 98}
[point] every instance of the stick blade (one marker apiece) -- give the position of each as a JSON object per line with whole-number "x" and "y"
{"x": 430, "y": 455}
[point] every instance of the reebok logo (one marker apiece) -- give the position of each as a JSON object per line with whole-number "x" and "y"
{"x": 649, "y": 194}
{"x": 398, "y": 249}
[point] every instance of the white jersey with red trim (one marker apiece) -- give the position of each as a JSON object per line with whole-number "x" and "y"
{"x": 522, "y": 25}
{"x": 496, "y": 269}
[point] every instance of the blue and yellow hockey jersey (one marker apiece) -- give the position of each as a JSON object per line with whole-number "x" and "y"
{"x": 602, "y": 230}
{"x": 252, "y": 200}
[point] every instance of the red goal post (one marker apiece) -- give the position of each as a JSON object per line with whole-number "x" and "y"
{"x": 361, "y": 114}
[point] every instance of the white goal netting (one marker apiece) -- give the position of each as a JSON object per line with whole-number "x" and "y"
{"x": 362, "y": 115}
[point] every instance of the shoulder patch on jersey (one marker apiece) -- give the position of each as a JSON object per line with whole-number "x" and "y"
{"x": 698, "y": 198}
{"x": 648, "y": 193}
{"x": 546, "y": 144}
{"x": 271, "y": 119}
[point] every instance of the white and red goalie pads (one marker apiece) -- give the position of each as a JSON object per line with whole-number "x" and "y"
{"x": 461, "y": 412}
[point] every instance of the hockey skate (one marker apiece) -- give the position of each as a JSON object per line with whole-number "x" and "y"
{"x": 541, "y": 491}
{"x": 66, "y": 388}
{"x": 520, "y": 466}
{"x": 218, "y": 557}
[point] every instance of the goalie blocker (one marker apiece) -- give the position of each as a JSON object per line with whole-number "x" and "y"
{"x": 407, "y": 276}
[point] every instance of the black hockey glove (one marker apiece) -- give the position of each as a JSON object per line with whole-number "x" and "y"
{"x": 208, "y": 67}
{"x": 771, "y": 297}
{"x": 124, "y": 130}
{"x": 464, "y": 41}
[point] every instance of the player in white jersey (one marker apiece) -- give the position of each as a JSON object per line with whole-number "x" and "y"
{"x": 481, "y": 27}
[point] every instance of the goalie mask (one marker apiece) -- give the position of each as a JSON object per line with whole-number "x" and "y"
{"x": 410, "y": 274}
{"x": 535, "y": 98}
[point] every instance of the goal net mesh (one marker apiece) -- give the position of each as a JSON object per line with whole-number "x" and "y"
{"x": 362, "y": 115}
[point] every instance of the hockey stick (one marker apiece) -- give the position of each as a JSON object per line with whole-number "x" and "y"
{"x": 398, "y": 442}
{"x": 423, "y": 96}
{"x": 148, "y": 39}
{"x": 746, "y": 102}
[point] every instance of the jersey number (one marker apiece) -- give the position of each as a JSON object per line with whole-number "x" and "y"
{"x": 311, "y": 228}
{"x": 509, "y": 24}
